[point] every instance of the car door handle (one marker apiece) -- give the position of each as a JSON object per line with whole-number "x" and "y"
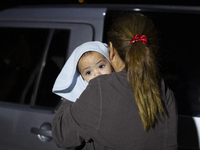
{"x": 43, "y": 132}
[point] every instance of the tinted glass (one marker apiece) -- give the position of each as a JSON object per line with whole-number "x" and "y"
{"x": 30, "y": 65}
{"x": 54, "y": 63}
{"x": 20, "y": 54}
{"x": 179, "y": 58}
{"x": 178, "y": 55}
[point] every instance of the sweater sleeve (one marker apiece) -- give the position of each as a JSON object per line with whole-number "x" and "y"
{"x": 64, "y": 130}
{"x": 87, "y": 109}
{"x": 71, "y": 121}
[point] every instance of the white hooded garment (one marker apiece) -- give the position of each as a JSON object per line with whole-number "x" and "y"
{"x": 69, "y": 84}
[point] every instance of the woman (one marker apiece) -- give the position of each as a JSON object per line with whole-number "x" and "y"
{"x": 128, "y": 109}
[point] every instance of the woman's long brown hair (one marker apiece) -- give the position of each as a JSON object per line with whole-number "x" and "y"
{"x": 140, "y": 63}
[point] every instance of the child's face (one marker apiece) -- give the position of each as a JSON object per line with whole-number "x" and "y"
{"x": 93, "y": 64}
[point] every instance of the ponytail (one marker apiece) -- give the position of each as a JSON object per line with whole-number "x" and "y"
{"x": 142, "y": 75}
{"x": 140, "y": 63}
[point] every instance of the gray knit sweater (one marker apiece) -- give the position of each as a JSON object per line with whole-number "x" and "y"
{"x": 106, "y": 117}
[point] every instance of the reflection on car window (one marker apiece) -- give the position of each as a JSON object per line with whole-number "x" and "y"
{"x": 54, "y": 63}
{"x": 178, "y": 55}
{"x": 20, "y": 54}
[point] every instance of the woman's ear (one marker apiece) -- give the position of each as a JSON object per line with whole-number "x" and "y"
{"x": 111, "y": 51}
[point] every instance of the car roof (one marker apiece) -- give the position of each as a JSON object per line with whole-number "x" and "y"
{"x": 51, "y": 14}
{"x": 78, "y": 12}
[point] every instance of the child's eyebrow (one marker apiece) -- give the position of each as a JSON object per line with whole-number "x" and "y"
{"x": 85, "y": 69}
{"x": 100, "y": 61}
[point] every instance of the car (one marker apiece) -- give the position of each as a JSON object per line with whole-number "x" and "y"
{"x": 37, "y": 40}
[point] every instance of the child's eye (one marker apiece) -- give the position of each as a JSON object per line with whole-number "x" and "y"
{"x": 88, "y": 72}
{"x": 101, "y": 66}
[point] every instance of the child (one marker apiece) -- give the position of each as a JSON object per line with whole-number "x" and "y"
{"x": 86, "y": 62}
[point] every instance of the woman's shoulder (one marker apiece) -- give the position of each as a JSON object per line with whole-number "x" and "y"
{"x": 103, "y": 79}
{"x": 167, "y": 94}
{"x": 111, "y": 79}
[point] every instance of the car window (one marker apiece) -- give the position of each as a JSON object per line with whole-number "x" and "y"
{"x": 179, "y": 59}
{"x": 20, "y": 54}
{"x": 23, "y": 58}
{"x": 54, "y": 62}
{"x": 31, "y": 58}
{"x": 178, "y": 55}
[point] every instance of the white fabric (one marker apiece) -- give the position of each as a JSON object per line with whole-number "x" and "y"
{"x": 69, "y": 84}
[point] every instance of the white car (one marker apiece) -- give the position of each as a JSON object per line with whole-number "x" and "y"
{"x": 36, "y": 41}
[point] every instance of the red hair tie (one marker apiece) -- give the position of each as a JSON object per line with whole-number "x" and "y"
{"x": 141, "y": 38}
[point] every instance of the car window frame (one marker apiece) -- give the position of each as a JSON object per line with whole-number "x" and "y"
{"x": 73, "y": 43}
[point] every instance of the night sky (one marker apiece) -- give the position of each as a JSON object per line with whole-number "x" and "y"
{"x": 15, "y": 3}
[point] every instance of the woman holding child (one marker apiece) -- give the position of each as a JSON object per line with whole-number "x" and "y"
{"x": 131, "y": 108}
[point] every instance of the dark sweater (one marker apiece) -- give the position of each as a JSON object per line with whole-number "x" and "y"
{"x": 106, "y": 117}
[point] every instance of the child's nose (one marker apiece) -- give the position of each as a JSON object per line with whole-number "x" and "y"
{"x": 97, "y": 73}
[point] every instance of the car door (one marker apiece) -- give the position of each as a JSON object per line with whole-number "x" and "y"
{"x": 31, "y": 55}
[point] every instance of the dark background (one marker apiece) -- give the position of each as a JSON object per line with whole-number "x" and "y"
{"x": 15, "y": 3}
